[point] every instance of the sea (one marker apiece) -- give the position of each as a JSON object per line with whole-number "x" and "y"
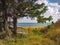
{"x": 32, "y": 24}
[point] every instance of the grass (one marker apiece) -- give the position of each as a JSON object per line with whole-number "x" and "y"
{"x": 35, "y": 40}
{"x": 34, "y": 36}
{"x": 42, "y": 36}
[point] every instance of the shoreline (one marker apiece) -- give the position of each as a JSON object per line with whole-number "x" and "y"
{"x": 32, "y": 27}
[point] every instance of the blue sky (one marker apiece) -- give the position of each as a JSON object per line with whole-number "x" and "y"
{"x": 54, "y": 1}
{"x": 53, "y": 10}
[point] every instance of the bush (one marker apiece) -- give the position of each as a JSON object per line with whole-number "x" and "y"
{"x": 35, "y": 31}
{"x": 49, "y": 26}
{"x": 43, "y": 30}
{"x": 2, "y": 35}
{"x": 54, "y": 35}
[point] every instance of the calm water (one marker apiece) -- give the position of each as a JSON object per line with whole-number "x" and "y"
{"x": 32, "y": 24}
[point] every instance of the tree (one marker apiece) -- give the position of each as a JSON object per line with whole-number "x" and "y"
{"x": 22, "y": 8}
{"x": 3, "y": 10}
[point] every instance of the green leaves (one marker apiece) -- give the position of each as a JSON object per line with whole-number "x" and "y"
{"x": 44, "y": 10}
{"x": 39, "y": 6}
{"x": 42, "y": 19}
{"x": 34, "y": 13}
{"x": 50, "y": 18}
{"x": 30, "y": 7}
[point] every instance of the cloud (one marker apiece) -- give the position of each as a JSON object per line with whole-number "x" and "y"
{"x": 54, "y": 5}
{"x": 26, "y": 20}
{"x": 42, "y": 1}
{"x": 53, "y": 9}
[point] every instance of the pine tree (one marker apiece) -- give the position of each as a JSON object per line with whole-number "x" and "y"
{"x": 22, "y": 8}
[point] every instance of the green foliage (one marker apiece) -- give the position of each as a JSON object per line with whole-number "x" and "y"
{"x": 49, "y": 26}
{"x": 41, "y": 19}
{"x": 50, "y": 18}
{"x": 34, "y": 13}
{"x": 13, "y": 9}
{"x": 35, "y": 32}
{"x": 29, "y": 7}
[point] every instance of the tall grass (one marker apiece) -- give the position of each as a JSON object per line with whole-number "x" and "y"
{"x": 49, "y": 35}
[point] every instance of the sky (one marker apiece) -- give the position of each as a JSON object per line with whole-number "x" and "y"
{"x": 53, "y": 10}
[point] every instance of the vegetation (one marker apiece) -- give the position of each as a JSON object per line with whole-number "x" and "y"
{"x": 49, "y": 35}
{"x": 13, "y": 9}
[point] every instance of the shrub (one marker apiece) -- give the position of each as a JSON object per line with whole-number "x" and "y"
{"x": 21, "y": 35}
{"x": 35, "y": 31}
{"x": 54, "y": 35}
{"x": 2, "y": 35}
{"x": 48, "y": 27}
{"x": 43, "y": 30}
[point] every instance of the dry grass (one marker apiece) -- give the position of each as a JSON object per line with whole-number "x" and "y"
{"x": 28, "y": 29}
{"x": 35, "y": 36}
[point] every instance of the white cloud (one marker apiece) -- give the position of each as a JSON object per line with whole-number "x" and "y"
{"x": 25, "y": 20}
{"x": 53, "y": 10}
{"x": 54, "y": 5}
{"x": 42, "y": 1}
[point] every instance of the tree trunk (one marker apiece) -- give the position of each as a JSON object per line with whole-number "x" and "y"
{"x": 5, "y": 16}
{"x": 0, "y": 27}
{"x": 6, "y": 27}
{"x": 14, "y": 26}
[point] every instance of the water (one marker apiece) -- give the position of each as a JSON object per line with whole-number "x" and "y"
{"x": 32, "y": 24}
